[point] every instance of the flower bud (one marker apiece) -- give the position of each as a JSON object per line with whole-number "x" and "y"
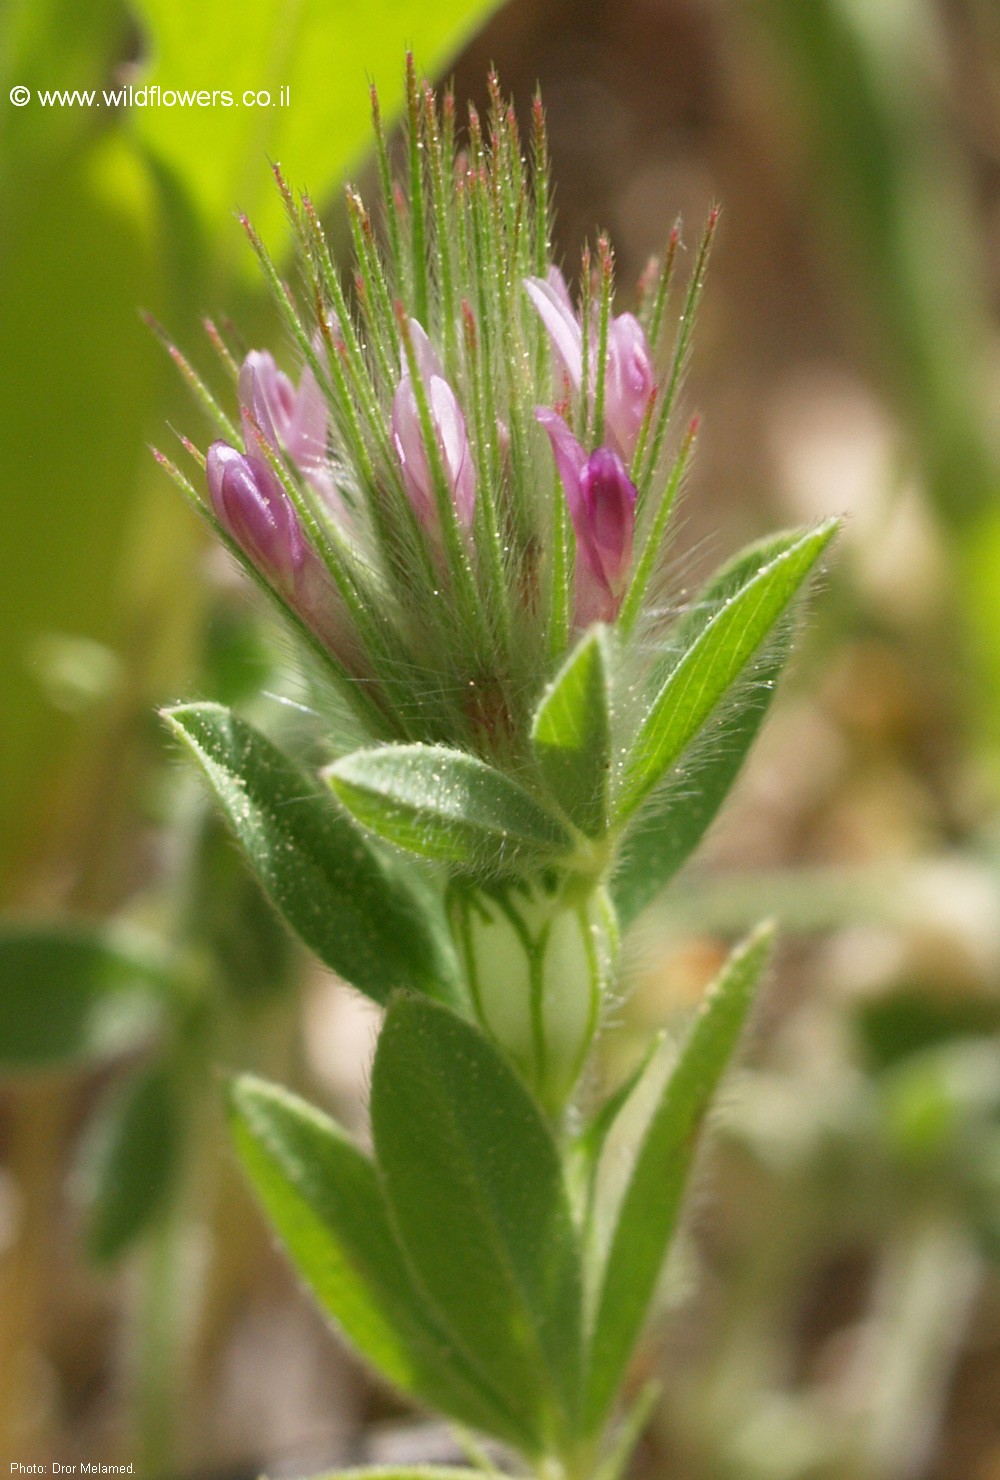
{"x": 290, "y": 420}
{"x": 448, "y": 424}
{"x": 630, "y": 380}
{"x": 251, "y": 505}
{"x": 601, "y": 499}
{"x": 538, "y": 959}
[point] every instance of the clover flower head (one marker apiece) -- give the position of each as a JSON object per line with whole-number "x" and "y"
{"x": 469, "y": 468}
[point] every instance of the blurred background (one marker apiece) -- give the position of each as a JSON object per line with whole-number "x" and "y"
{"x": 833, "y": 1309}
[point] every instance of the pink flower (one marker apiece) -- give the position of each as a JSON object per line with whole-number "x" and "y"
{"x": 290, "y": 420}
{"x": 449, "y": 429}
{"x": 629, "y": 381}
{"x": 251, "y": 505}
{"x": 601, "y": 499}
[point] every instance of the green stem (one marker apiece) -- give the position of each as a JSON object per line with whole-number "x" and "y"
{"x": 159, "y": 1350}
{"x": 631, "y": 1431}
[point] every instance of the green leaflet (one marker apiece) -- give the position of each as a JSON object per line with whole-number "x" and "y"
{"x": 668, "y": 828}
{"x": 666, "y": 831}
{"x": 325, "y": 1199}
{"x": 649, "y": 1208}
{"x": 720, "y": 587}
{"x": 572, "y": 735}
{"x": 477, "y": 1192}
{"x": 447, "y": 805}
{"x": 720, "y": 649}
{"x": 348, "y": 903}
{"x": 75, "y": 992}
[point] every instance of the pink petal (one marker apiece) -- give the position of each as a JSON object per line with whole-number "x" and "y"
{"x": 556, "y": 313}
{"x": 449, "y": 423}
{"x": 570, "y": 457}
{"x": 409, "y": 443}
{"x": 557, "y": 283}
{"x": 424, "y": 352}
{"x": 630, "y": 381}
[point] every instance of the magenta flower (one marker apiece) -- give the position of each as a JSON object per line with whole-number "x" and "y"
{"x": 255, "y": 510}
{"x": 449, "y": 429}
{"x": 629, "y": 379}
{"x": 253, "y": 507}
{"x": 601, "y": 499}
{"x": 292, "y": 421}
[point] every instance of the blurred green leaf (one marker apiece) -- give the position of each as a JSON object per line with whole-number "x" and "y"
{"x": 252, "y": 953}
{"x": 71, "y": 992}
{"x": 894, "y": 1027}
{"x": 347, "y": 902}
{"x": 52, "y": 44}
{"x": 572, "y": 735}
{"x": 446, "y": 805}
{"x": 73, "y": 442}
{"x": 325, "y": 1200}
{"x": 127, "y": 1161}
{"x": 322, "y": 51}
{"x": 476, "y": 1188}
{"x": 715, "y": 660}
{"x": 647, "y": 1216}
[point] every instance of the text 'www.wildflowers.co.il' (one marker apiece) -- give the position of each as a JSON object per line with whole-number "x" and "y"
{"x": 152, "y": 95}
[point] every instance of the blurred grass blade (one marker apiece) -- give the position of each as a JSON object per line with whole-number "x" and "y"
{"x": 346, "y": 901}
{"x": 647, "y": 1216}
{"x": 572, "y": 735}
{"x": 324, "y": 1198}
{"x": 714, "y": 661}
{"x": 446, "y": 805}
{"x": 476, "y": 1188}
{"x": 75, "y": 992}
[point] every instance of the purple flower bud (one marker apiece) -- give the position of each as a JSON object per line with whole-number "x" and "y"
{"x": 629, "y": 381}
{"x": 449, "y": 429}
{"x": 255, "y": 510}
{"x": 601, "y": 499}
{"x": 253, "y": 507}
{"x": 290, "y": 420}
